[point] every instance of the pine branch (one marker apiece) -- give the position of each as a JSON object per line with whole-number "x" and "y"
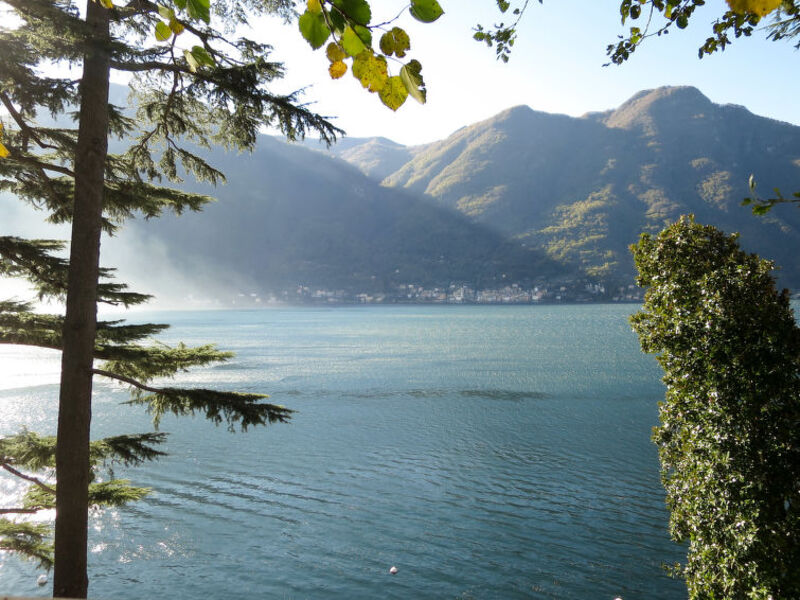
{"x": 146, "y": 363}
{"x": 128, "y": 380}
{"x": 129, "y": 449}
{"x": 232, "y": 407}
{"x": 39, "y": 166}
{"x": 27, "y": 540}
{"x": 33, "y": 260}
{"x": 116, "y": 492}
{"x": 22, "y": 124}
{"x": 20, "y": 326}
{"x": 34, "y": 480}
{"x": 112, "y": 332}
{"x": 31, "y": 451}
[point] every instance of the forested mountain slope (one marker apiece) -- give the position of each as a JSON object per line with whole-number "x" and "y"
{"x": 520, "y": 197}
{"x": 582, "y": 189}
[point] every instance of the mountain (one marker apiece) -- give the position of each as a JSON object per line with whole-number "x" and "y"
{"x": 292, "y": 216}
{"x": 522, "y": 197}
{"x": 582, "y": 189}
{"x": 376, "y": 157}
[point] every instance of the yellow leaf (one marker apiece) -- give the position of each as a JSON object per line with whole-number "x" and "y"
{"x": 314, "y": 6}
{"x": 758, "y": 7}
{"x": 335, "y": 52}
{"x": 394, "y": 93}
{"x": 107, "y": 3}
{"x": 3, "y": 151}
{"x": 370, "y": 70}
{"x": 337, "y": 69}
{"x": 176, "y": 26}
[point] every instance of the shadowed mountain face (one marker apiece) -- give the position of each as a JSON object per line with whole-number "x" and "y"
{"x": 290, "y": 215}
{"x": 582, "y": 189}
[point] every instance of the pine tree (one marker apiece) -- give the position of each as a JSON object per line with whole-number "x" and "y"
{"x": 213, "y": 92}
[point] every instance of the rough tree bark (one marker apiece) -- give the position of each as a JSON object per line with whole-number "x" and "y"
{"x": 70, "y": 578}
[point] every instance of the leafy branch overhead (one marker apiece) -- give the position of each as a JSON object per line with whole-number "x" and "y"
{"x": 346, "y": 26}
{"x": 740, "y": 20}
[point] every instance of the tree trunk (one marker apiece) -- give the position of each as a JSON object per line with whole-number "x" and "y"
{"x": 70, "y": 578}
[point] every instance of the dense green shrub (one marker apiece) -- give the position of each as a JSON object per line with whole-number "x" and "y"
{"x": 729, "y": 433}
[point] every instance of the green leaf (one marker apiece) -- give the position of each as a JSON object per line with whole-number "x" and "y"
{"x": 364, "y": 34}
{"x": 338, "y": 22}
{"x": 198, "y": 57}
{"x": 193, "y": 64}
{"x": 395, "y": 42}
{"x": 351, "y": 43}
{"x": 411, "y": 76}
{"x": 199, "y": 10}
{"x": 163, "y": 32}
{"x": 166, "y": 13}
{"x": 181, "y": 4}
{"x": 394, "y": 93}
{"x": 761, "y": 209}
{"x": 426, "y": 11}
{"x": 387, "y": 44}
{"x": 202, "y": 56}
{"x": 357, "y": 11}
{"x": 370, "y": 70}
{"x": 314, "y": 29}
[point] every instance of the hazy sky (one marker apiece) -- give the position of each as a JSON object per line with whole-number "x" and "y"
{"x": 556, "y": 66}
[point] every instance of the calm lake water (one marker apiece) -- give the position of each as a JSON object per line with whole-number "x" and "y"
{"x": 487, "y": 452}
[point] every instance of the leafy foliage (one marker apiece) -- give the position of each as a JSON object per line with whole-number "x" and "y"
{"x": 349, "y": 24}
{"x": 761, "y": 206}
{"x": 502, "y": 36}
{"x": 741, "y": 20}
{"x": 728, "y": 439}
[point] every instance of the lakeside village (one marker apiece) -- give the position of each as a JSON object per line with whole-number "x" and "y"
{"x": 568, "y": 291}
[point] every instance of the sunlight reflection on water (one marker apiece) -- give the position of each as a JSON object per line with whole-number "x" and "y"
{"x": 27, "y": 367}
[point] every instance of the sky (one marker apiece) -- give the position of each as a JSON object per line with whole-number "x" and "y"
{"x": 556, "y": 66}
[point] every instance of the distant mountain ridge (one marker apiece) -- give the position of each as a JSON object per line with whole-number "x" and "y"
{"x": 524, "y": 196}
{"x": 582, "y": 189}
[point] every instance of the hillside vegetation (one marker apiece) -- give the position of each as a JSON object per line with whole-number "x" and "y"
{"x": 522, "y": 196}
{"x": 582, "y": 189}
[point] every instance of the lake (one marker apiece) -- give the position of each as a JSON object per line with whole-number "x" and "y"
{"x": 485, "y": 451}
